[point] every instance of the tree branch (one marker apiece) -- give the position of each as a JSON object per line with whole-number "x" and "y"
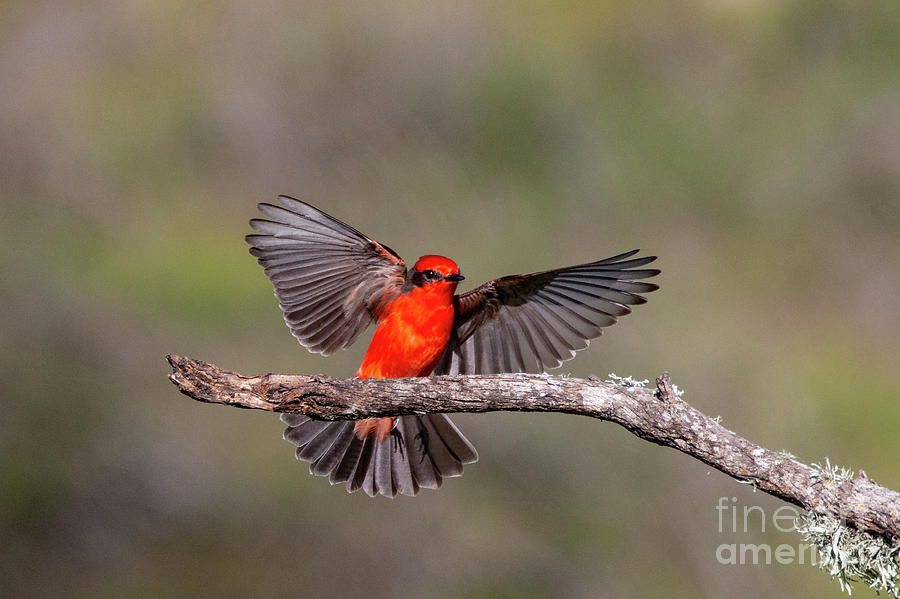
{"x": 658, "y": 416}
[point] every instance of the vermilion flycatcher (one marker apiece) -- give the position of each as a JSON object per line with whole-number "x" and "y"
{"x": 331, "y": 281}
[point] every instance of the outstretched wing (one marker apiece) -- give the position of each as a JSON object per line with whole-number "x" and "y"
{"x": 329, "y": 278}
{"x": 531, "y": 323}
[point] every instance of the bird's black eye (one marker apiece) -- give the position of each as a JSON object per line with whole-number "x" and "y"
{"x": 430, "y": 274}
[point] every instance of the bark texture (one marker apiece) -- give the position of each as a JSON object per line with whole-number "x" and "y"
{"x": 656, "y": 415}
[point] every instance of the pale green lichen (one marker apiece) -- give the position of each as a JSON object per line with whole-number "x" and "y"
{"x": 851, "y": 555}
{"x": 625, "y": 381}
{"x": 831, "y": 473}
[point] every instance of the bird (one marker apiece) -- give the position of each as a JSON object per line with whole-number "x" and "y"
{"x": 332, "y": 282}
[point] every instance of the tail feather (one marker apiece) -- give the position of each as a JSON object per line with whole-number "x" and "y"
{"x": 444, "y": 461}
{"x": 401, "y": 471}
{"x": 304, "y": 432}
{"x": 453, "y": 439}
{"x": 383, "y": 479}
{"x": 293, "y": 419}
{"x": 419, "y": 453}
{"x": 331, "y": 459}
{"x": 363, "y": 466}
{"x": 347, "y": 466}
{"x": 318, "y": 445}
{"x": 422, "y": 468}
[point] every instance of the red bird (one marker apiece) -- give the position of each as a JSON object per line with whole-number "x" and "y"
{"x": 331, "y": 281}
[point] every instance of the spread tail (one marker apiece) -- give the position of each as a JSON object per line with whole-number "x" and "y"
{"x": 419, "y": 452}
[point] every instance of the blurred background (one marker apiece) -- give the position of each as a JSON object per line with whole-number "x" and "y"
{"x": 753, "y": 146}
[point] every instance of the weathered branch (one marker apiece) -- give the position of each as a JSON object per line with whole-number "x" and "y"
{"x": 655, "y": 415}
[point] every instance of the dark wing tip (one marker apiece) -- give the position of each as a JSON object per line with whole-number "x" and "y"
{"x": 252, "y": 239}
{"x": 255, "y": 223}
{"x": 620, "y": 257}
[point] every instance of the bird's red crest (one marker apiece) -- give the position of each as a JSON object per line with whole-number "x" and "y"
{"x": 441, "y": 264}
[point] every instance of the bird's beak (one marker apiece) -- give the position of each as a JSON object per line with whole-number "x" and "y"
{"x": 454, "y": 277}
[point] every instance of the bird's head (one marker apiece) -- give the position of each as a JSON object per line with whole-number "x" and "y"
{"x": 432, "y": 269}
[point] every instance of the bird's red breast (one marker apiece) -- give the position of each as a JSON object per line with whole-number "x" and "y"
{"x": 412, "y": 333}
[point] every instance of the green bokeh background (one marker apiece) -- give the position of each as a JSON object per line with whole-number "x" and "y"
{"x": 753, "y": 146}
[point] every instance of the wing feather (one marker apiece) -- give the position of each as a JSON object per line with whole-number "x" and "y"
{"x": 329, "y": 278}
